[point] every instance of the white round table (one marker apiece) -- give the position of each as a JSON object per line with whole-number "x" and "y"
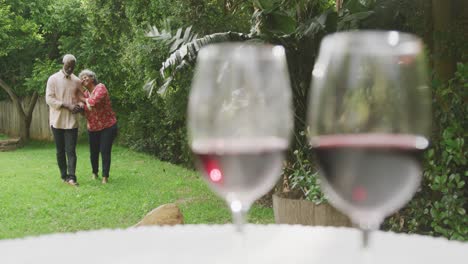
{"x": 221, "y": 244}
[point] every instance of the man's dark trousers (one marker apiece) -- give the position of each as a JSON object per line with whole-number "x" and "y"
{"x": 65, "y": 144}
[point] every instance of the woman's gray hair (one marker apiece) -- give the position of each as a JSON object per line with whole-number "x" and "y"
{"x": 90, "y": 74}
{"x": 67, "y": 58}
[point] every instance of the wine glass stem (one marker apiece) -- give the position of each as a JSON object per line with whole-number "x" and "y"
{"x": 365, "y": 238}
{"x": 366, "y": 229}
{"x": 239, "y": 219}
{"x": 365, "y": 251}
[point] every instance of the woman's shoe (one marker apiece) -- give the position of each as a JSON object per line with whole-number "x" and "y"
{"x": 105, "y": 180}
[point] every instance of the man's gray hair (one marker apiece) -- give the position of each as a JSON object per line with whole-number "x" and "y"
{"x": 90, "y": 75}
{"x": 68, "y": 57}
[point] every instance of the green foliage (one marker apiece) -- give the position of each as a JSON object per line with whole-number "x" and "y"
{"x": 185, "y": 44}
{"x": 63, "y": 24}
{"x": 157, "y": 125}
{"x": 19, "y": 39}
{"x": 288, "y": 23}
{"x": 140, "y": 132}
{"x": 41, "y": 72}
{"x": 211, "y": 16}
{"x": 353, "y": 13}
{"x": 164, "y": 133}
{"x": 186, "y": 56}
{"x": 138, "y": 61}
{"x": 174, "y": 41}
{"x": 440, "y": 206}
{"x": 16, "y": 32}
{"x": 107, "y": 32}
{"x": 36, "y": 30}
{"x": 303, "y": 176}
{"x": 176, "y": 144}
{"x": 272, "y": 18}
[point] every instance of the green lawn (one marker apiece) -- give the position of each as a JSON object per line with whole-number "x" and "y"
{"x": 34, "y": 201}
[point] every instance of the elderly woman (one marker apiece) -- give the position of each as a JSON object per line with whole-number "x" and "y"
{"x": 101, "y": 122}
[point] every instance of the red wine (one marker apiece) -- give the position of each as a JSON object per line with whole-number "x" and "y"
{"x": 241, "y": 170}
{"x": 370, "y": 174}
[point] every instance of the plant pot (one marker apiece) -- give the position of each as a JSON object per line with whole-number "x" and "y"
{"x": 296, "y": 211}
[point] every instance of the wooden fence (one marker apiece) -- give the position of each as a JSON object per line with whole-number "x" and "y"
{"x": 10, "y": 122}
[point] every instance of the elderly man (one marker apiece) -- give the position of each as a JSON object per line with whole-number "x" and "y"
{"x": 62, "y": 96}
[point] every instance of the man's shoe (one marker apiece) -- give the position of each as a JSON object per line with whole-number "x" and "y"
{"x": 71, "y": 182}
{"x": 105, "y": 180}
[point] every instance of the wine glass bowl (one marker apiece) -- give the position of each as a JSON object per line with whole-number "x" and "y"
{"x": 369, "y": 117}
{"x": 240, "y": 120}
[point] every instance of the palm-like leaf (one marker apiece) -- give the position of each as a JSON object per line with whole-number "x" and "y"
{"x": 174, "y": 41}
{"x": 186, "y": 55}
{"x": 280, "y": 21}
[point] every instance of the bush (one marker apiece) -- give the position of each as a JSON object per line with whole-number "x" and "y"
{"x": 439, "y": 208}
{"x": 302, "y": 177}
{"x": 157, "y": 126}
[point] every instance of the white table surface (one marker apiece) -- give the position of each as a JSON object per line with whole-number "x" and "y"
{"x": 221, "y": 244}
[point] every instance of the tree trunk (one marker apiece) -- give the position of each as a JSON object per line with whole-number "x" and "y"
{"x": 27, "y": 119}
{"x": 443, "y": 60}
{"x": 24, "y": 130}
{"x": 338, "y": 5}
{"x": 25, "y": 116}
{"x": 429, "y": 27}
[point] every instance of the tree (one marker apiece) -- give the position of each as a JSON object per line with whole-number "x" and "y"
{"x": 440, "y": 23}
{"x": 33, "y": 36}
{"x": 445, "y": 15}
{"x": 18, "y": 37}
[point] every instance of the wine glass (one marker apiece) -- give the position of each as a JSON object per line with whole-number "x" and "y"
{"x": 369, "y": 116}
{"x": 240, "y": 120}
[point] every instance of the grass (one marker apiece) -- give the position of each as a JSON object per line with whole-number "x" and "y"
{"x": 34, "y": 201}
{"x": 2, "y": 136}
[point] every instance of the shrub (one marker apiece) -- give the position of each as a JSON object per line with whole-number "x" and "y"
{"x": 439, "y": 208}
{"x": 302, "y": 177}
{"x": 158, "y": 126}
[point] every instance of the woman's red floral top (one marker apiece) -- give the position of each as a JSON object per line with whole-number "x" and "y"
{"x": 98, "y": 109}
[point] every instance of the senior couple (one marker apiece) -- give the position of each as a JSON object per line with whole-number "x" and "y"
{"x": 67, "y": 95}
